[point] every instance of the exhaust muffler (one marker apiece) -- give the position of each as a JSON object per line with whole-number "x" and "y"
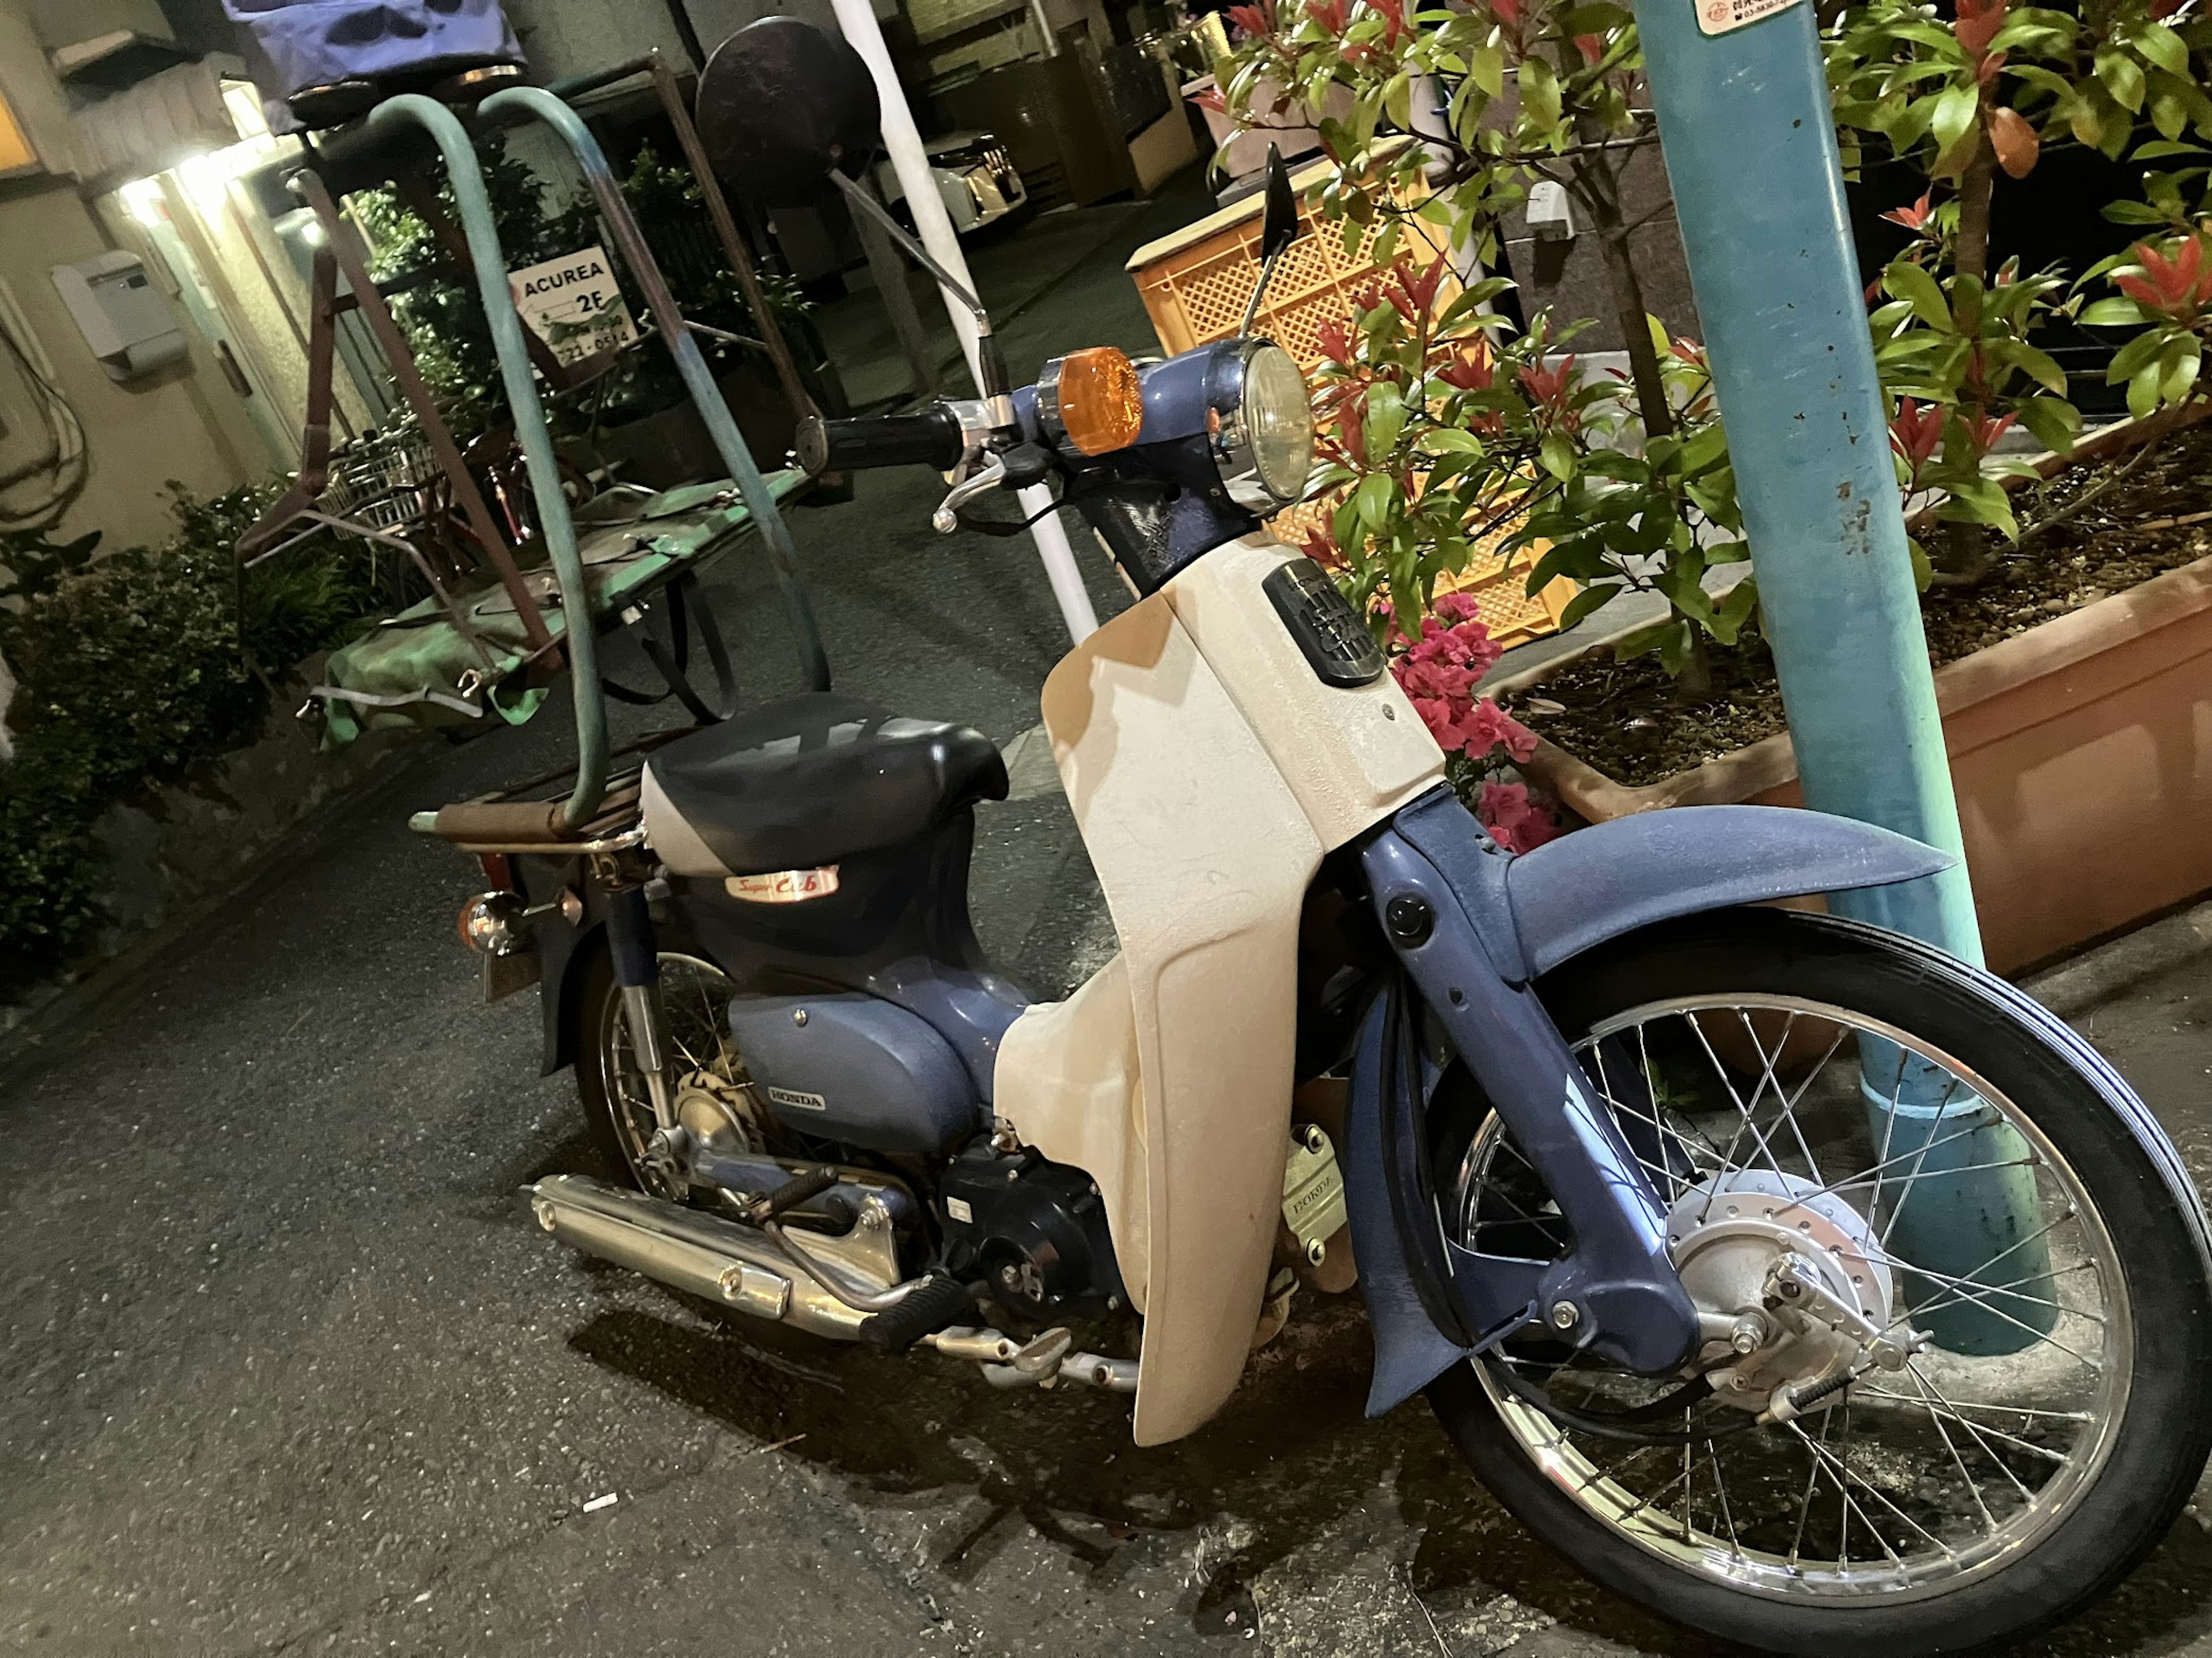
{"x": 741, "y": 1268}
{"x": 715, "y": 1259}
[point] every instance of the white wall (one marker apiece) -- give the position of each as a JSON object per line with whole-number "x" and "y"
{"x": 181, "y": 423}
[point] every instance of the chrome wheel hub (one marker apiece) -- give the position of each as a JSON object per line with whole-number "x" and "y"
{"x": 1862, "y": 1456}
{"x": 1763, "y": 1254}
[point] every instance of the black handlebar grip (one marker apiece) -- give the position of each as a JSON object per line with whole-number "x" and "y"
{"x": 933, "y": 438}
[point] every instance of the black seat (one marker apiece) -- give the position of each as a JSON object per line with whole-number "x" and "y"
{"x": 814, "y": 778}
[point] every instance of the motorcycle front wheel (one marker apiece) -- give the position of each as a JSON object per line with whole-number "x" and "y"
{"x": 1942, "y": 1160}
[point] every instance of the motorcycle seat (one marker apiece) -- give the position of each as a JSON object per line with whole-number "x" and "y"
{"x": 802, "y": 783}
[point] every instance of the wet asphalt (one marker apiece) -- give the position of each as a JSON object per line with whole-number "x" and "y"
{"x": 285, "y": 1369}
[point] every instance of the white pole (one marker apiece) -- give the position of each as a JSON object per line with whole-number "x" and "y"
{"x": 911, "y": 162}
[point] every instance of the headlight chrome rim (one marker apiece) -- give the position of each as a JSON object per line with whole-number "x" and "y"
{"x": 1228, "y": 428}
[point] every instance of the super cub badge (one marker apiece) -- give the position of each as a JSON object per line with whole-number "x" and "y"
{"x": 784, "y": 886}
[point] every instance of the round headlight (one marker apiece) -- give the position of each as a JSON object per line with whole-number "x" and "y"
{"x": 1263, "y": 426}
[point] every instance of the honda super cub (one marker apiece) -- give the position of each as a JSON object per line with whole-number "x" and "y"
{"x": 1791, "y": 1278}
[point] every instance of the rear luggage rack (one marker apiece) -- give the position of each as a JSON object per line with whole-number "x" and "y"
{"x": 539, "y": 828}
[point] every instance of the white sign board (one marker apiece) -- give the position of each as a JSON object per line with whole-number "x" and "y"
{"x": 573, "y": 304}
{"x": 1719, "y": 16}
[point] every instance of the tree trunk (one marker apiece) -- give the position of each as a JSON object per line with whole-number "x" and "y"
{"x": 1963, "y": 555}
{"x": 1970, "y": 257}
{"x": 1597, "y": 188}
{"x": 1694, "y": 685}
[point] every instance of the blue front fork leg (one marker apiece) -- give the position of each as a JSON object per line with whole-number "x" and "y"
{"x": 1433, "y": 1301}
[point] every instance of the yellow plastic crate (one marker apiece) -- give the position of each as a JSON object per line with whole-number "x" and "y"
{"x": 1196, "y": 284}
{"x": 1498, "y": 585}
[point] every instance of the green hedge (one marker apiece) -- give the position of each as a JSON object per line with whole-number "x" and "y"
{"x": 132, "y": 669}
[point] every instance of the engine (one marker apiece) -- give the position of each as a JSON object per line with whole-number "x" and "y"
{"x": 1033, "y": 1232}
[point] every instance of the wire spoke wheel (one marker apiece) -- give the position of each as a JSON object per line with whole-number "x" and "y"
{"x": 1767, "y": 1105}
{"x": 1937, "y": 1304}
{"x": 713, "y": 1084}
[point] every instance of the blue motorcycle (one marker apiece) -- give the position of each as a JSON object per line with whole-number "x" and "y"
{"x": 1800, "y": 1282}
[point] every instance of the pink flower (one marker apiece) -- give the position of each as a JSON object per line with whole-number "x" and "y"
{"x": 1453, "y": 608}
{"x": 1489, "y": 727}
{"x": 1438, "y": 674}
{"x": 1514, "y": 821}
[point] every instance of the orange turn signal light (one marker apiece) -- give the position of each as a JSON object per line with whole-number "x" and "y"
{"x": 1099, "y": 405}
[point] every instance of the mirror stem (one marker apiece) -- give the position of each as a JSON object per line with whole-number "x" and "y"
{"x": 1260, "y": 289}
{"x": 864, "y": 200}
{"x": 990, "y": 363}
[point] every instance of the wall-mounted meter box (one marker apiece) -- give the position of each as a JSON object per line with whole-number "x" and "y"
{"x": 125, "y": 321}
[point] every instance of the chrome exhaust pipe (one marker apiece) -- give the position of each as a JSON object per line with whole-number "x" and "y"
{"x": 717, "y": 1260}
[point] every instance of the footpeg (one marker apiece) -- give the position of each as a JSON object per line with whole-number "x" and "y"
{"x": 789, "y": 1195}
{"x": 928, "y": 1307}
{"x": 1036, "y": 1365}
{"x": 1040, "y": 1363}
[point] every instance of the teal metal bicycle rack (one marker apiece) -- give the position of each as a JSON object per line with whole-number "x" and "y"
{"x": 474, "y": 210}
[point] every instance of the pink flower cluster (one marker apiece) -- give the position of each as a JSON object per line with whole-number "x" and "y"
{"x": 1514, "y": 818}
{"x": 1438, "y": 672}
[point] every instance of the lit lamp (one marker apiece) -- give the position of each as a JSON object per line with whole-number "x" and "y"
{"x": 16, "y": 155}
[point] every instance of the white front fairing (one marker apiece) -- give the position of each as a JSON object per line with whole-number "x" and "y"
{"x": 1209, "y": 769}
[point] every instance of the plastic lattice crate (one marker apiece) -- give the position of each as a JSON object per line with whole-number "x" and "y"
{"x": 1196, "y": 285}
{"x": 1497, "y": 584}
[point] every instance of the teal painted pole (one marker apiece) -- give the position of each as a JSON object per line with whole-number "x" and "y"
{"x": 579, "y": 641}
{"x": 1750, "y": 145}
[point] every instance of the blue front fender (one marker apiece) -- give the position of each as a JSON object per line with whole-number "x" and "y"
{"x": 1547, "y": 906}
{"x": 1499, "y": 922}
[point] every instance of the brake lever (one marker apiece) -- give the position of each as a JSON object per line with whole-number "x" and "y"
{"x": 988, "y": 476}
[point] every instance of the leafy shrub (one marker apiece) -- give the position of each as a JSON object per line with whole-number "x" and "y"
{"x": 436, "y": 304}
{"x": 132, "y": 669}
{"x": 1468, "y": 419}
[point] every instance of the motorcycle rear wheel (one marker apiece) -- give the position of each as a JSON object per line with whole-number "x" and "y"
{"x": 617, "y": 1105}
{"x": 1969, "y": 1500}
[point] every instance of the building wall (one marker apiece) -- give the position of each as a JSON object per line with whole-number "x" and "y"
{"x": 181, "y": 423}
{"x": 561, "y": 38}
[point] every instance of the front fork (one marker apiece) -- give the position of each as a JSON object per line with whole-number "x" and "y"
{"x": 637, "y": 975}
{"x": 1434, "y": 1301}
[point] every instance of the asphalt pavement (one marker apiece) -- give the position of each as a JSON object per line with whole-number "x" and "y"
{"x": 284, "y": 1368}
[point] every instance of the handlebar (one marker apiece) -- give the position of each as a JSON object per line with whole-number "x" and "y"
{"x": 933, "y": 438}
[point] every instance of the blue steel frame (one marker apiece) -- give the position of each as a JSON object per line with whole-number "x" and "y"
{"x": 1473, "y": 927}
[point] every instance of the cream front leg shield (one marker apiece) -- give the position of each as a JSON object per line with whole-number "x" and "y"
{"x": 1205, "y": 856}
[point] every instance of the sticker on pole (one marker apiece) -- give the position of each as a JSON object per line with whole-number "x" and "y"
{"x": 1719, "y": 16}
{"x": 573, "y": 304}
